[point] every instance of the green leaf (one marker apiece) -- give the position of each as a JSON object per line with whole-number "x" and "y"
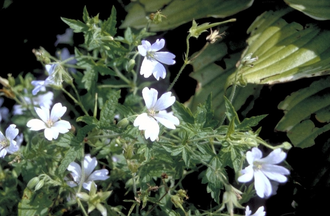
{"x": 85, "y": 15}
{"x": 90, "y": 79}
{"x": 110, "y": 25}
{"x": 319, "y": 10}
{"x": 76, "y": 25}
{"x": 178, "y": 12}
{"x": 211, "y": 78}
{"x": 285, "y": 51}
{"x": 108, "y": 110}
{"x": 299, "y": 109}
{"x": 87, "y": 119}
{"x": 183, "y": 113}
{"x": 69, "y": 157}
{"x": 247, "y": 123}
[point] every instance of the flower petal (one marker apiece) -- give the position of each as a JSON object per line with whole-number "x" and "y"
{"x": 152, "y": 130}
{"x": 147, "y": 67}
{"x": 142, "y": 121}
{"x": 89, "y": 164}
{"x": 254, "y": 154}
{"x": 150, "y": 97}
{"x": 247, "y": 211}
{"x": 43, "y": 113}
{"x": 262, "y": 184}
{"x": 247, "y": 174}
{"x": 75, "y": 170}
{"x": 57, "y": 112}
{"x": 165, "y": 57}
{"x": 99, "y": 175}
{"x": 167, "y": 119}
{"x": 51, "y": 133}
{"x": 87, "y": 185}
{"x": 165, "y": 101}
{"x": 159, "y": 44}
{"x": 275, "y": 157}
{"x": 36, "y": 124}
{"x": 11, "y": 132}
{"x": 144, "y": 48}
{"x": 275, "y": 172}
{"x": 159, "y": 71}
{"x": 62, "y": 126}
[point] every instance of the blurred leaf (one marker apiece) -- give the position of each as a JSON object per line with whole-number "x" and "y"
{"x": 69, "y": 157}
{"x": 108, "y": 110}
{"x": 319, "y": 10}
{"x": 76, "y": 25}
{"x": 211, "y": 78}
{"x": 300, "y": 107}
{"x": 178, "y": 12}
{"x": 286, "y": 51}
{"x": 110, "y": 25}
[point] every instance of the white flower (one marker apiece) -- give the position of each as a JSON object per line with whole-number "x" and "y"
{"x": 40, "y": 85}
{"x": 3, "y": 111}
{"x": 262, "y": 169}
{"x": 7, "y": 143}
{"x": 259, "y": 212}
{"x": 45, "y": 100}
{"x": 65, "y": 38}
{"x": 50, "y": 122}
{"x": 150, "y": 64}
{"x": 156, "y": 112}
{"x": 89, "y": 166}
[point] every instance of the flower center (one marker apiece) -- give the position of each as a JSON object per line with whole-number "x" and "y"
{"x": 257, "y": 165}
{"x": 152, "y": 112}
{"x": 150, "y": 55}
{"x": 4, "y": 143}
{"x": 49, "y": 123}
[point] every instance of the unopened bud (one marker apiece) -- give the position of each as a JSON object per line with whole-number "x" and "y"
{"x": 33, "y": 182}
{"x": 130, "y": 65}
{"x": 39, "y": 185}
{"x": 156, "y": 17}
{"x": 123, "y": 123}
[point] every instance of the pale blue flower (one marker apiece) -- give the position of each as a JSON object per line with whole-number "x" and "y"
{"x": 65, "y": 54}
{"x": 151, "y": 63}
{"x": 89, "y": 175}
{"x": 263, "y": 168}
{"x": 44, "y": 100}
{"x": 156, "y": 113}
{"x": 7, "y": 143}
{"x": 40, "y": 85}
{"x": 50, "y": 122}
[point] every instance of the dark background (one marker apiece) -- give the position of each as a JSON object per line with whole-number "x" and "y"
{"x": 27, "y": 25}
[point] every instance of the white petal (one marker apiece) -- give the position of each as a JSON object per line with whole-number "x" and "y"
{"x": 99, "y": 175}
{"x": 36, "y": 124}
{"x": 87, "y": 185}
{"x": 150, "y": 97}
{"x": 159, "y": 71}
{"x": 254, "y": 154}
{"x": 167, "y": 119}
{"x": 75, "y": 170}
{"x": 152, "y": 130}
{"x": 165, "y": 101}
{"x": 62, "y": 126}
{"x": 50, "y": 68}
{"x": 3, "y": 153}
{"x": 2, "y": 137}
{"x": 247, "y": 174}
{"x": 89, "y": 164}
{"x": 275, "y": 157}
{"x": 57, "y": 112}
{"x": 43, "y": 113}
{"x": 159, "y": 44}
{"x": 72, "y": 183}
{"x": 147, "y": 67}
{"x": 11, "y": 132}
{"x": 247, "y": 211}
{"x": 262, "y": 185}
{"x": 275, "y": 172}
{"x": 165, "y": 57}
{"x": 142, "y": 121}
{"x": 260, "y": 212}
{"x": 39, "y": 85}
{"x": 51, "y": 133}
{"x": 144, "y": 47}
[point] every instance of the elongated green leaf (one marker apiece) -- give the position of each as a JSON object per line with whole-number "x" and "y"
{"x": 212, "y": 78}
{"x": 285, "y": 51}
{"x": 69, "y": 157}
{"x": 319, "y": 10}
{"x": 300, "y": 107}
{"x": 178, "y": 12}
{"x": 110, "y": 25}
{"x": 76, "y": 25}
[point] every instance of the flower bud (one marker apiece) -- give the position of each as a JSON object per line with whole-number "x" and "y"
{"x": 130, "y": 65}
{"x": 156, "y": 17}
{"x": 123, "y": 123}
{"x": 133, "y": 165}
{"x": 33, "y": 182}
{"x": 286, "y": 146}
{"x": 39, "y": 185}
